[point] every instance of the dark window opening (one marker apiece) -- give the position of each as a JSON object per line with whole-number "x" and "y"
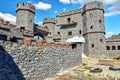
{"x": 80, "y": 31}
{"x": 3, "y": 37}
{"x": 91, "y": 27}
{"x": 13, "y": 39}
{"x": 113, "y": 48}
{"x": 84, "y": 24}
{"x": 46, "y": 27}
{"x": 101, "y": 40}
{"x": 74, "y": 46}
{"x": 69, "y": 33}
{"x": 92, "y": 45}
{"x": 22, "y": 29}
{"x": 58, "y": 32}
{"x": 118, "y": 47}
{"x": 108, "y": 47}
{"x": 68, "y": 20}
{"x": 100, "y": 21}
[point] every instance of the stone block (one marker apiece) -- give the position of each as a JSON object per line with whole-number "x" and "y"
{"x": 106, "y": 62}
{"x": 39, "y": 43}
{"x": 62, "y": 45}
{"x": 56, "y": 45}
{"x": 48, "y": 44}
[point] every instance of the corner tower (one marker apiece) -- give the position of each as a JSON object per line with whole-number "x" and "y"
{"x": 25, "y": 16}
{"x": 50, "y": 24}
{"x": 93, "y": 29}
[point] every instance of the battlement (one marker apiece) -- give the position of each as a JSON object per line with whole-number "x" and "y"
{"x": 27, "y": 6}
{"x": 71, "y": 12}
{"x": 49, "y": 20}
{"x": 93, "y": 5}
{"x": 114, "y": 38}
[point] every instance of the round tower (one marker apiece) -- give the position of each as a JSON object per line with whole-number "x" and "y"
{"x": 25, "y": 16}
{"x": 50, "y": 24}
{"x": 93, "y": 29}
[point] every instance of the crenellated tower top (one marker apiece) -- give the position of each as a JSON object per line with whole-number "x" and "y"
{"x": 27, "y": 6}
{"x": 71, "y": 12}
{"x": 49, "y": 20}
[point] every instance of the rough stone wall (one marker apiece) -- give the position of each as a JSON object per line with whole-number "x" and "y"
{"x": 36, "y": 63}
{"x": 63, "y": 26}
{"x": 112, "y": 52}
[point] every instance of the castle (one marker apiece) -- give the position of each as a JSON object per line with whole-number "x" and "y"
{"x": 87, "y": 22}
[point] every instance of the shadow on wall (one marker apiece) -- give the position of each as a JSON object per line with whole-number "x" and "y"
{"x": 8, "y": 68}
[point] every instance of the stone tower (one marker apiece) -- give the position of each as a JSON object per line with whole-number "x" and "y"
{"x": 93, "y": 29}
{"x": 25, "y": 17}
{"x": 50, "y": 24}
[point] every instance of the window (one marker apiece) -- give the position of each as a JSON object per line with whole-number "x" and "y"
{"x": 90, "y": 14}
{"x": 98, "y": 4}
{"x": 46, "y": 27}
{"x": 22, "y": 29}
{"x": 108, "y": 47}
{"x": 101, "y": 40}
{"x": 30, "y": 20}
{"x": 113, "y": 48}
{"x": 69, "y": 33}
{"x": 91, "y": 27}
{"x": 100, "y": 21}
{"x": 80, "y": 31}
{"x": 118, "y": 47}
{"x": 58, "y": 32}
{"x": 92, "y": 45}
{"x": 68, "y": 20}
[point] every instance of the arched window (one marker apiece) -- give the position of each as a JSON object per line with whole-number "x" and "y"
{"x": 113, "y": 48}
{"x": 68, "y": 19}
{"x": 108, "y": 47}
{"x": 118, "y": 47}
{"x": 91, "y": 27}
{"x": 100, "y": 21}
{"x": 101, "y": 40}
{"x": 92, "y": 45}
{"x": 80, "y": 31}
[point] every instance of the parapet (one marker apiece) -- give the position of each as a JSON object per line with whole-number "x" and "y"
{"x": 49, "y": 20}
{"x": 27, "y": 6}
{"x": 71, "y": 12}
{"x": 93, "y": 5}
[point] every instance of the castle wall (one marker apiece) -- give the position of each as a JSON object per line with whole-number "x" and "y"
{"x": 113, "y": 48}
{"x": 37, "y": 63}
{"x": 69, "y": 23}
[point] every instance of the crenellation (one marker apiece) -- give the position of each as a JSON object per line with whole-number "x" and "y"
{"x": 49, "y": 20}
{"x": 71, "y": 12}
{"x": 27, "y": 6}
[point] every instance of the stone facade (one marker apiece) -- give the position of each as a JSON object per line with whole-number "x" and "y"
{"x": 28, "y": 62}
{"x": 87, "y": 22}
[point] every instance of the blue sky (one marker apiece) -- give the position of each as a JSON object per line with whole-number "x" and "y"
{"x": 49, "y": 8}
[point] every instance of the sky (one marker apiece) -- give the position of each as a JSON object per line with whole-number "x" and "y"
{"x": 49, "y": 8}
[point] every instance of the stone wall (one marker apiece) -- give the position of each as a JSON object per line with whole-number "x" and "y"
{"x": 36, "y": 63}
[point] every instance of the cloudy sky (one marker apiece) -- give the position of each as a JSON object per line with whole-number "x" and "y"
{"x": 49, "y": 8}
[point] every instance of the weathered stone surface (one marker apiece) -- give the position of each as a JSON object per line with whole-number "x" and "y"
{"x": 31, "y": 63}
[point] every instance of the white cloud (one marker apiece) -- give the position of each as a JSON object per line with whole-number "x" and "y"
{"x": 64, "y": 9}
{"x": 8, "y": 17}
{"x": 109, "y": 34}
{"x": 42, "y": 6}
{"x": 40, "y": 23}
{"x": 65, "y": 1}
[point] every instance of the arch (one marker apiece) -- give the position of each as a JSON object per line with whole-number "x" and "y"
{"x": 119, "y": 47}
{"x": 113, "y": 48}
{"x": 91, "y": 27}
{"x": 108, "y": 47}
